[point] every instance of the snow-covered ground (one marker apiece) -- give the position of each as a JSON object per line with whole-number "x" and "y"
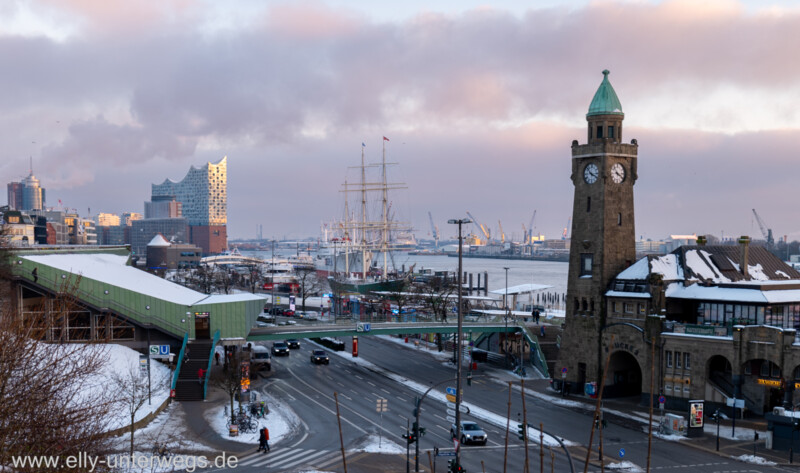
{"x": 624, "y": 466}
{"x": 281, "y": 420}
{"x": 754, "y": 460}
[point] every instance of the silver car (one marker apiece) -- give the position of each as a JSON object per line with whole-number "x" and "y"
{"x": 470, "y": 433}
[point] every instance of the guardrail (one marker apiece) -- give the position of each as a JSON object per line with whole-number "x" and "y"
{"x": 537, "y": 358}
{"x": 214, "y": 342}
{"x": 178, "y": 364}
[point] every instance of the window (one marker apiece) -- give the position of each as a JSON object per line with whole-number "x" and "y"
{"x": 627, "y": 307}
{"x": 677, "y": 359}
{"x": 591, "y": 305}
{"x": 687, "y": 361}
{"x": 619, "y": 219}
{"x": 668, "y": 387}
{"x": 588, "y": 204}
{"x": 586, "y": 264}
{"x": 748, "y": 368}
{"x": 776, "y": 370}
{"x": 642, "y": 309}
{"x": 669, "y": 359}
{"x": 611, "y": 132}
{"x": 764, "y": 370}
{"x": 686, "y": 389}
{"x": 615, "y": 306}
{"x": 599, "y": 131}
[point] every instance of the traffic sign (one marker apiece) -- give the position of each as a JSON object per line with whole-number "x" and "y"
{"x": 564, "y": 370}
{"x": 662, "y": 399}
{"x": 159, "y": 351}
{"x": 450, "y": 405}
{"x": 363, "y": 327}
{"x": 446, "y": 454}
{"x": 451, "y": 391}
{"x": 381, "y": 405}
{"x": 450, "y": 419}
{"x": 451, "y": 412}
{"x": 451, "y": 397}
{"x": 622, "y": 453}
{"x": 464, "y": 409}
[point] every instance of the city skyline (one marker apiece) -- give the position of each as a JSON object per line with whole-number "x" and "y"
{"x": 480, "y": 105}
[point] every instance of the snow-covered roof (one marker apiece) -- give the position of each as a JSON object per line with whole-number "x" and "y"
{"x": 113, "y": 270}
{"x": 638, "y": 271}
{"x": 637, "y": 295}
{"x": 520, "y": 289}
{"x": 732, "y": 294}
{"x": 159, "y": 241}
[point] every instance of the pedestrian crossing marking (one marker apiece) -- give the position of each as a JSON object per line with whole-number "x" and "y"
{"x": 290, "y": 458}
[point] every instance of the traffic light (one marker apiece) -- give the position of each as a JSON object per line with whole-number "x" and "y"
{"x": 421, "y": 431}
{"x": 459, "y": 469}
{"x": 410, "y": 437}
{"x": 451, "y": 465}
{"x": 522, "y": 431}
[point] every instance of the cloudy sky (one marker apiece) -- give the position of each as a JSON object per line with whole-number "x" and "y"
{"x": 481, "y": 101}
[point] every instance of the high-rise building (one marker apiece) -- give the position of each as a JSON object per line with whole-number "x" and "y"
{"x": 26, "y": 195}
{"x": 108, "y": 220}
{"x": 129, "y": 217}
{"x": 163, "y": 206}
{"x": 203, "y": 195}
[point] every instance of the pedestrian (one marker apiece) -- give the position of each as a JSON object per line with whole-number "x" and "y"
{"x": 536, "y": 315}
{"x": 186, "y": 355}
{"x": 35, "y": 273}
{"x": 262, "y": 442}
{"x": 216, "y": 357}
{"x": 200, "y": 374}
{"x": 266, "y": 439}
{"x": 444, "y": 317}
{"x": 541, "y": 331}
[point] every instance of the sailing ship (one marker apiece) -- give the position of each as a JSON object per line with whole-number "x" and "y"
{"x": 350, "y": 256}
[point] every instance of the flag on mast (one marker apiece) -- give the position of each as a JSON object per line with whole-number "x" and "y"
{"x": 363, "y": 145}
{"x": 385, "y": 139}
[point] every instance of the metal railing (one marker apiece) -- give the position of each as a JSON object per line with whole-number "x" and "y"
{"x": 179, "y": 363}
{"x": 537, "y": 358}
{"x": 210, "y": 358}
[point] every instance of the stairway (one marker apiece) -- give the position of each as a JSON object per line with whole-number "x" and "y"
{"x": 188, "y": 388}
{"x": 550, "y": 348}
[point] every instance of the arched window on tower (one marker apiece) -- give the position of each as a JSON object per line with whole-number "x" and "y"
{"x": 589, "y": 204}
{"x": 584, "y": 305}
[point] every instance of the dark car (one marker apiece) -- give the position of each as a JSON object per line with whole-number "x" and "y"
{"x": 470, "y": 433}
{"x": 319, "y": 356}
{"x": 275, "y": 311}
{"x": 293, "y": 343}
{"x": 280, "y": 349}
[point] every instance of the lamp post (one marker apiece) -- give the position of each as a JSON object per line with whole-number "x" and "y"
{"x": 272, "y": 278}
{"x": 459, "y": 222}
{"x": 505, "y": 317}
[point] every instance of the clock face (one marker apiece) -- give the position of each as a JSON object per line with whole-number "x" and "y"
{"x": 590, "y": 173}
{"x": 617, "y": 173}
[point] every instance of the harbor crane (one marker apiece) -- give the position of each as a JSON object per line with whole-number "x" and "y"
{"x": 481, "y": 227}
{"x": 767, "y": 232}
{"x": 502, "y": 233}
{"x": 566, "y": 229}
{"x": 530, "y": 229}
{"x": 434, "y": 231}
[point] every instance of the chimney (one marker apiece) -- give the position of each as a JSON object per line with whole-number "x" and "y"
{"x": 701, "y": 240}
{"x": 744, "y": 244}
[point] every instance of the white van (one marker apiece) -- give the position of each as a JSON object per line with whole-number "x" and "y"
{"x": 260, "y": 358}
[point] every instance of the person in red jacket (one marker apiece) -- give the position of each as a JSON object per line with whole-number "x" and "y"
{"x": 200, "y": 374}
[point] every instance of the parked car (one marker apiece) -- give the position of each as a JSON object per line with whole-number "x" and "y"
{"x": 470, "y": 433}
{"x": 274, "y": 311}
{"x": 288, "y": 313}
{"x": 280, "y": 349}
{"x": 260, "y": 359}
{"x": 293, "y": 343}
{"x": 319, "y": 356}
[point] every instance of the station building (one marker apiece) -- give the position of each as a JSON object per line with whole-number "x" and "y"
{"x": 706, "y": 322}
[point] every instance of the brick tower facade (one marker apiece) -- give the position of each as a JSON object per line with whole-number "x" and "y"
{"x": 603, "y": 241}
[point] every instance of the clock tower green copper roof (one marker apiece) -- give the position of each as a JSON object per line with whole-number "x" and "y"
{"x": 605, "y": 101}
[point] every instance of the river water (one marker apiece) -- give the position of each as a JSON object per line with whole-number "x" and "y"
{"x": 552, "y": 273}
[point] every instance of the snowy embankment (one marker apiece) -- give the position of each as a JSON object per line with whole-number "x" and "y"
{"x": 119, "y": 362}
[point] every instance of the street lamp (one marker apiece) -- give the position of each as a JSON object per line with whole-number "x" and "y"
{"x": 459, "y": 222}
{"x": 505, "y": 303}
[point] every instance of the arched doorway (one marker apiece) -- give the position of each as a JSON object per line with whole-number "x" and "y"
{"x": 720, "y": 374}
{"x": 763, "y": 385}
{"x": 624, "y": 376}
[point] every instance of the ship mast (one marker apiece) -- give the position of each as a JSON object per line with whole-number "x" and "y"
{"x": 363, "y": 216}
{"x": 385, "y": 236}
{"x": 346, "y": 235}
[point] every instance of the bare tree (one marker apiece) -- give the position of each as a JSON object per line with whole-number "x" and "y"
{"x": 229, "y": 380}
{"x": 309, "y": 282}
{"x": 435, "y": 296}
{"x": 223, "y": 279}
{"x": 133, "y": 391}
{"x": 51, "y": 397}
{"x": 255, "y": 276}
{"x": 401, "y": 296}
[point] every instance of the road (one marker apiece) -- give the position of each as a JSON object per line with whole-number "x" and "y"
{"x": 310, "y": 389}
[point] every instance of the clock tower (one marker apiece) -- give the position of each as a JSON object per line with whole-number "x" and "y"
{"x": 603, "y": 239}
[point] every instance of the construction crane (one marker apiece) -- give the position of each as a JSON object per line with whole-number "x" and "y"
{"x": 481, "y": 227}
{"x": 767, "y": 232}
{"x": 525, "y": 238}
{"x": 434, "y": 231}
{"x": 530, "y": 229}
{"x": 502, "y": 233}
{"x": 566, "y": 229}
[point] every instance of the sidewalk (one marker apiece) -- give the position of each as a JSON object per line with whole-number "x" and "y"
{"x": 627, "y": 411}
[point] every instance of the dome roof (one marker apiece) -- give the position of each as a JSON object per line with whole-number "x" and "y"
{"x": 605, "y": 101}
